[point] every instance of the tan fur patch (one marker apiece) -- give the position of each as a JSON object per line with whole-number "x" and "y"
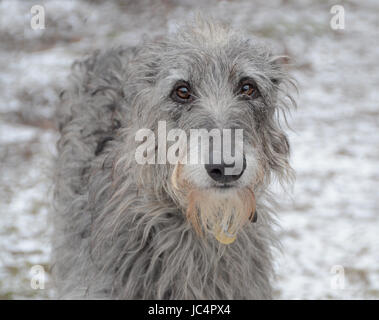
{"x": 220, "y": 212}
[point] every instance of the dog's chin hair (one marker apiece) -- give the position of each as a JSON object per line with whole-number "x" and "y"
{"x": 208, "y": 209}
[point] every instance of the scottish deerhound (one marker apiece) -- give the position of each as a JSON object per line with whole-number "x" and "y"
{"x": 125, "y": 230}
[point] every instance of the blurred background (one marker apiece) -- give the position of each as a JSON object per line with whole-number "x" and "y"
{"x": 329, "y": 222}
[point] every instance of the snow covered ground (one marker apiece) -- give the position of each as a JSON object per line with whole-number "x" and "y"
{"x": 329, "y": 223}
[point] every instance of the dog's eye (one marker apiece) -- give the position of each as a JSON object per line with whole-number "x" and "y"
{"x": 182, "y": 92}
{"x": 249, "y": 89}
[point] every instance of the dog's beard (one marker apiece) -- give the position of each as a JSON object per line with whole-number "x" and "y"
{"x": 221, "y": 213}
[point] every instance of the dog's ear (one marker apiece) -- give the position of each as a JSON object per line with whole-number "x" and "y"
{"x": 277, "y": 74}
{"x": 148, "y": 61}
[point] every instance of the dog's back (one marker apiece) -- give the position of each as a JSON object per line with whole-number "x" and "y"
{"x": 90, "y": 112}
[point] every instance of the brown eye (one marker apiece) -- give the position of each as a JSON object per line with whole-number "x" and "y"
{"x": 182, "y": 92}
{"x": 249, "y": 89}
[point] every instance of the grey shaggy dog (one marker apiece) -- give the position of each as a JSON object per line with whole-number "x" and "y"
{"x": 121, "y": 231}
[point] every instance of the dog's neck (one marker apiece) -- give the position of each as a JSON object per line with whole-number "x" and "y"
{"x": 170, "y": 260}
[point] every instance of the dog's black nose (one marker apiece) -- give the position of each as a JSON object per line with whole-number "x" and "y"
{"x": 217, "y": 172}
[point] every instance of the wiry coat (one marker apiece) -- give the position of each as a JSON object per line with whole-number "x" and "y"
{"x": 119, "y": 233}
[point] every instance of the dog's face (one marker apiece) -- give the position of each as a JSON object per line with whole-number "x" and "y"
{"x": 211, "y": 78}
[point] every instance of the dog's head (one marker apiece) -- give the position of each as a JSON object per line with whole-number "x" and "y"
{"x": 210, "y": 82}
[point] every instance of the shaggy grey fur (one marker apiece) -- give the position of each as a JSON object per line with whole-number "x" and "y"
{"x": 118, "y": 232}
